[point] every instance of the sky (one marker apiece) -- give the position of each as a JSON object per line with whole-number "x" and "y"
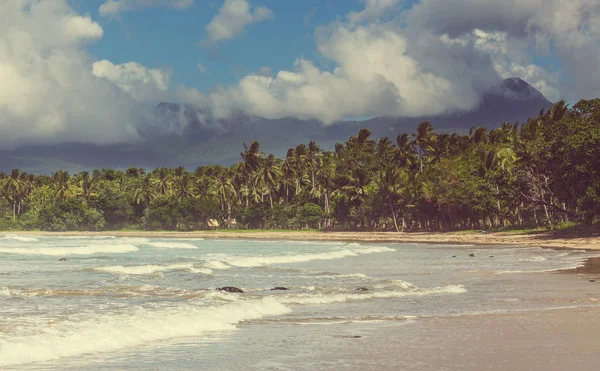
{"x": 91, "y": 70}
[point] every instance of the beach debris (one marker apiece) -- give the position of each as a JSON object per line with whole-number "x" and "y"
{"x": 230, "y": 289}
{"x": 279, "y": 288}
{"x": 491, "y": 256}
{"x": 349, "y": 336}
{"x": 592, "y": 280}
{"x": 454, "y": 256}
{"x": 483, "y": 232}
{"x": 362, "y": 289}
{"x": 472, "y": 255}
{"x": 62, "y": 259}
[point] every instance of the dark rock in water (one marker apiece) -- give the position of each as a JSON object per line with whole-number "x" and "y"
{"x": 62, "y": 259}
{"x": 491, "y": 256}
{"x": 230, "y": 289}
{"x": 592, "y": 280}
{"x": 472, "y": 255}
{"x": 350, "y": 336}
{"x": 454, "y": 256}
{"x": 279, "y": 288}
{"x": 362, "y": 289}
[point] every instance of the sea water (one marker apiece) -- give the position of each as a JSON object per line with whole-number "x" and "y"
{"x": 151, "y": 303}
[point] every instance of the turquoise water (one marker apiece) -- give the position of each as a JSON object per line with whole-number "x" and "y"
{"x": 135, "y": 303}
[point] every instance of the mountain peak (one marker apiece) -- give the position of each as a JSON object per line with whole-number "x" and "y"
{"x": 518, "y": 89}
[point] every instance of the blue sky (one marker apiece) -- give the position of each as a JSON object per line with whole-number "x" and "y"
{"x": 173, "y": 38}
{"x": 322, "y": 59}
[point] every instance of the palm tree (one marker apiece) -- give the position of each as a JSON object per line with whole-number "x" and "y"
{"x": 145, "y": 192}
{"x": 251, "y": 157}
{"x": 311, "y": 159}
{"x": 162, "y": 181}
{"x": 226, "y": 191}
{"x": 13, "y": 186}
{"x": 269, "y": 174}
{"x": 421, "y": 139}
{"x": 184, "y": 187}
{"x": 87, "y": 184}
{"x": 62, "y": 184}
{"x": 392, "y": 183}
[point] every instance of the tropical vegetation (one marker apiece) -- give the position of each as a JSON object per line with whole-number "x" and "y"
{"x": 544, "y": 172}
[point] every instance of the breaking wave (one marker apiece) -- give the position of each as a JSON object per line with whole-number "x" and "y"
{"x": 111, "y": 333}
{"x": 151, "y": 269}
{"x": 78, "y": 250}
{"x": 342, "y": 297}
{"x": 247, "y": 262}
{"x": 172, "y": 245}
{"x": 15, "y": 237}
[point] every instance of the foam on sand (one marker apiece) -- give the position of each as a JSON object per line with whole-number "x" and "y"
{"x": 172, "y": 245}
{"x": 247, "y": 262}
{"x": 151, "y": 269}
{"x": 15, "y": 237}
{"x": 111, "y": 333}
{"x": 76, "y": 250}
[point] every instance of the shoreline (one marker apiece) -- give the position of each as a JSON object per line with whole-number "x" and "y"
{"x": 544, "y": 240}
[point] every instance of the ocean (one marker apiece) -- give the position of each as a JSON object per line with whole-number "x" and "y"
{"x": 152, "y": 304}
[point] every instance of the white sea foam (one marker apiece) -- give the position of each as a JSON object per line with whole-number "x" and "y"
{"x": 341, "y": 298}
{"x": 111, "y": 333}
{"x": 215, "y": 264}
{"x": 76, "y": 250}
{"x": 172, "y": 245}
{"x": 15, "y": 237}
{"x": 151, "y": 269}
{"x": 90, "y": 237}
{"x": 257, "y": 261}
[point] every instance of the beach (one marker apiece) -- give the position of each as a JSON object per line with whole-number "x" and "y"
{"x": 355, "y": 301}
{"x": 547, "y": 240}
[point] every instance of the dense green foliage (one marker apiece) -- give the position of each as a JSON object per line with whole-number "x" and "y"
{"x": 540, "y": 173}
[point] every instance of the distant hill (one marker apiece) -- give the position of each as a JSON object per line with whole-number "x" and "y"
{"x": 188, "y": 136}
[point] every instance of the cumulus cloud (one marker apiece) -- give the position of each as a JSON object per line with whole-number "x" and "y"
{"x": 233, "y": 18}
{"x": 374, "y": 9}
{"x": 136, "y": 80}
{"x": 49, "y": 91}
{"x": 112, "y": 8}
{"x": 436, "y": 57}
{"x": 569, "y": 30}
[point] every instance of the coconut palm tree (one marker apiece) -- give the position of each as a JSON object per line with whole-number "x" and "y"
{"x": 145, "y": 192}
{"x": 421, "y": 139}
{"x": 62, "y": 184}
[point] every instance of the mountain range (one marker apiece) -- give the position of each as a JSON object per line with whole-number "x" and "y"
{"x": 190, "y": 137}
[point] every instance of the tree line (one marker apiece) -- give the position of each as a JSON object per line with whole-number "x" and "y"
{"x": 543, "y": 172}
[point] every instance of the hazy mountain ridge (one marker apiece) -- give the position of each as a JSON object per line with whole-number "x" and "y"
{"x": 188, "y": 136}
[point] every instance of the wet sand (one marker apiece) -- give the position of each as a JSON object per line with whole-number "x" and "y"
{"x": 591, "y": 242}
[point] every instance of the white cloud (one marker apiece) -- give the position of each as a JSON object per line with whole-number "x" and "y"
{"x": 48, "y": 91}
{"x": 112, "y": 8}
{"x": 567, "y": 30}
{"x": 233, "y": 18}
{"x": 439, "y": 56}
{"x": 139, "y": 82}
{"x": 374, "y": 9}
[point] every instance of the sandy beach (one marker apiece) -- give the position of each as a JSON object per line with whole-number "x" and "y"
{"x": 548, "y": 240}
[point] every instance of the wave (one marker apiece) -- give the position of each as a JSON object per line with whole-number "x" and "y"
{"x": 247, "y": 262}
{"x": 111, "y": 333}
{"x": 171, "y": 245}
{"x": 151, "y": 269}
{"x": 341, "y": 298}
{"x": 79, "y": 250}
{"x": 15, "y": 237}
{"x": 215, "y": 264}
{"x": 90, "y": 237}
